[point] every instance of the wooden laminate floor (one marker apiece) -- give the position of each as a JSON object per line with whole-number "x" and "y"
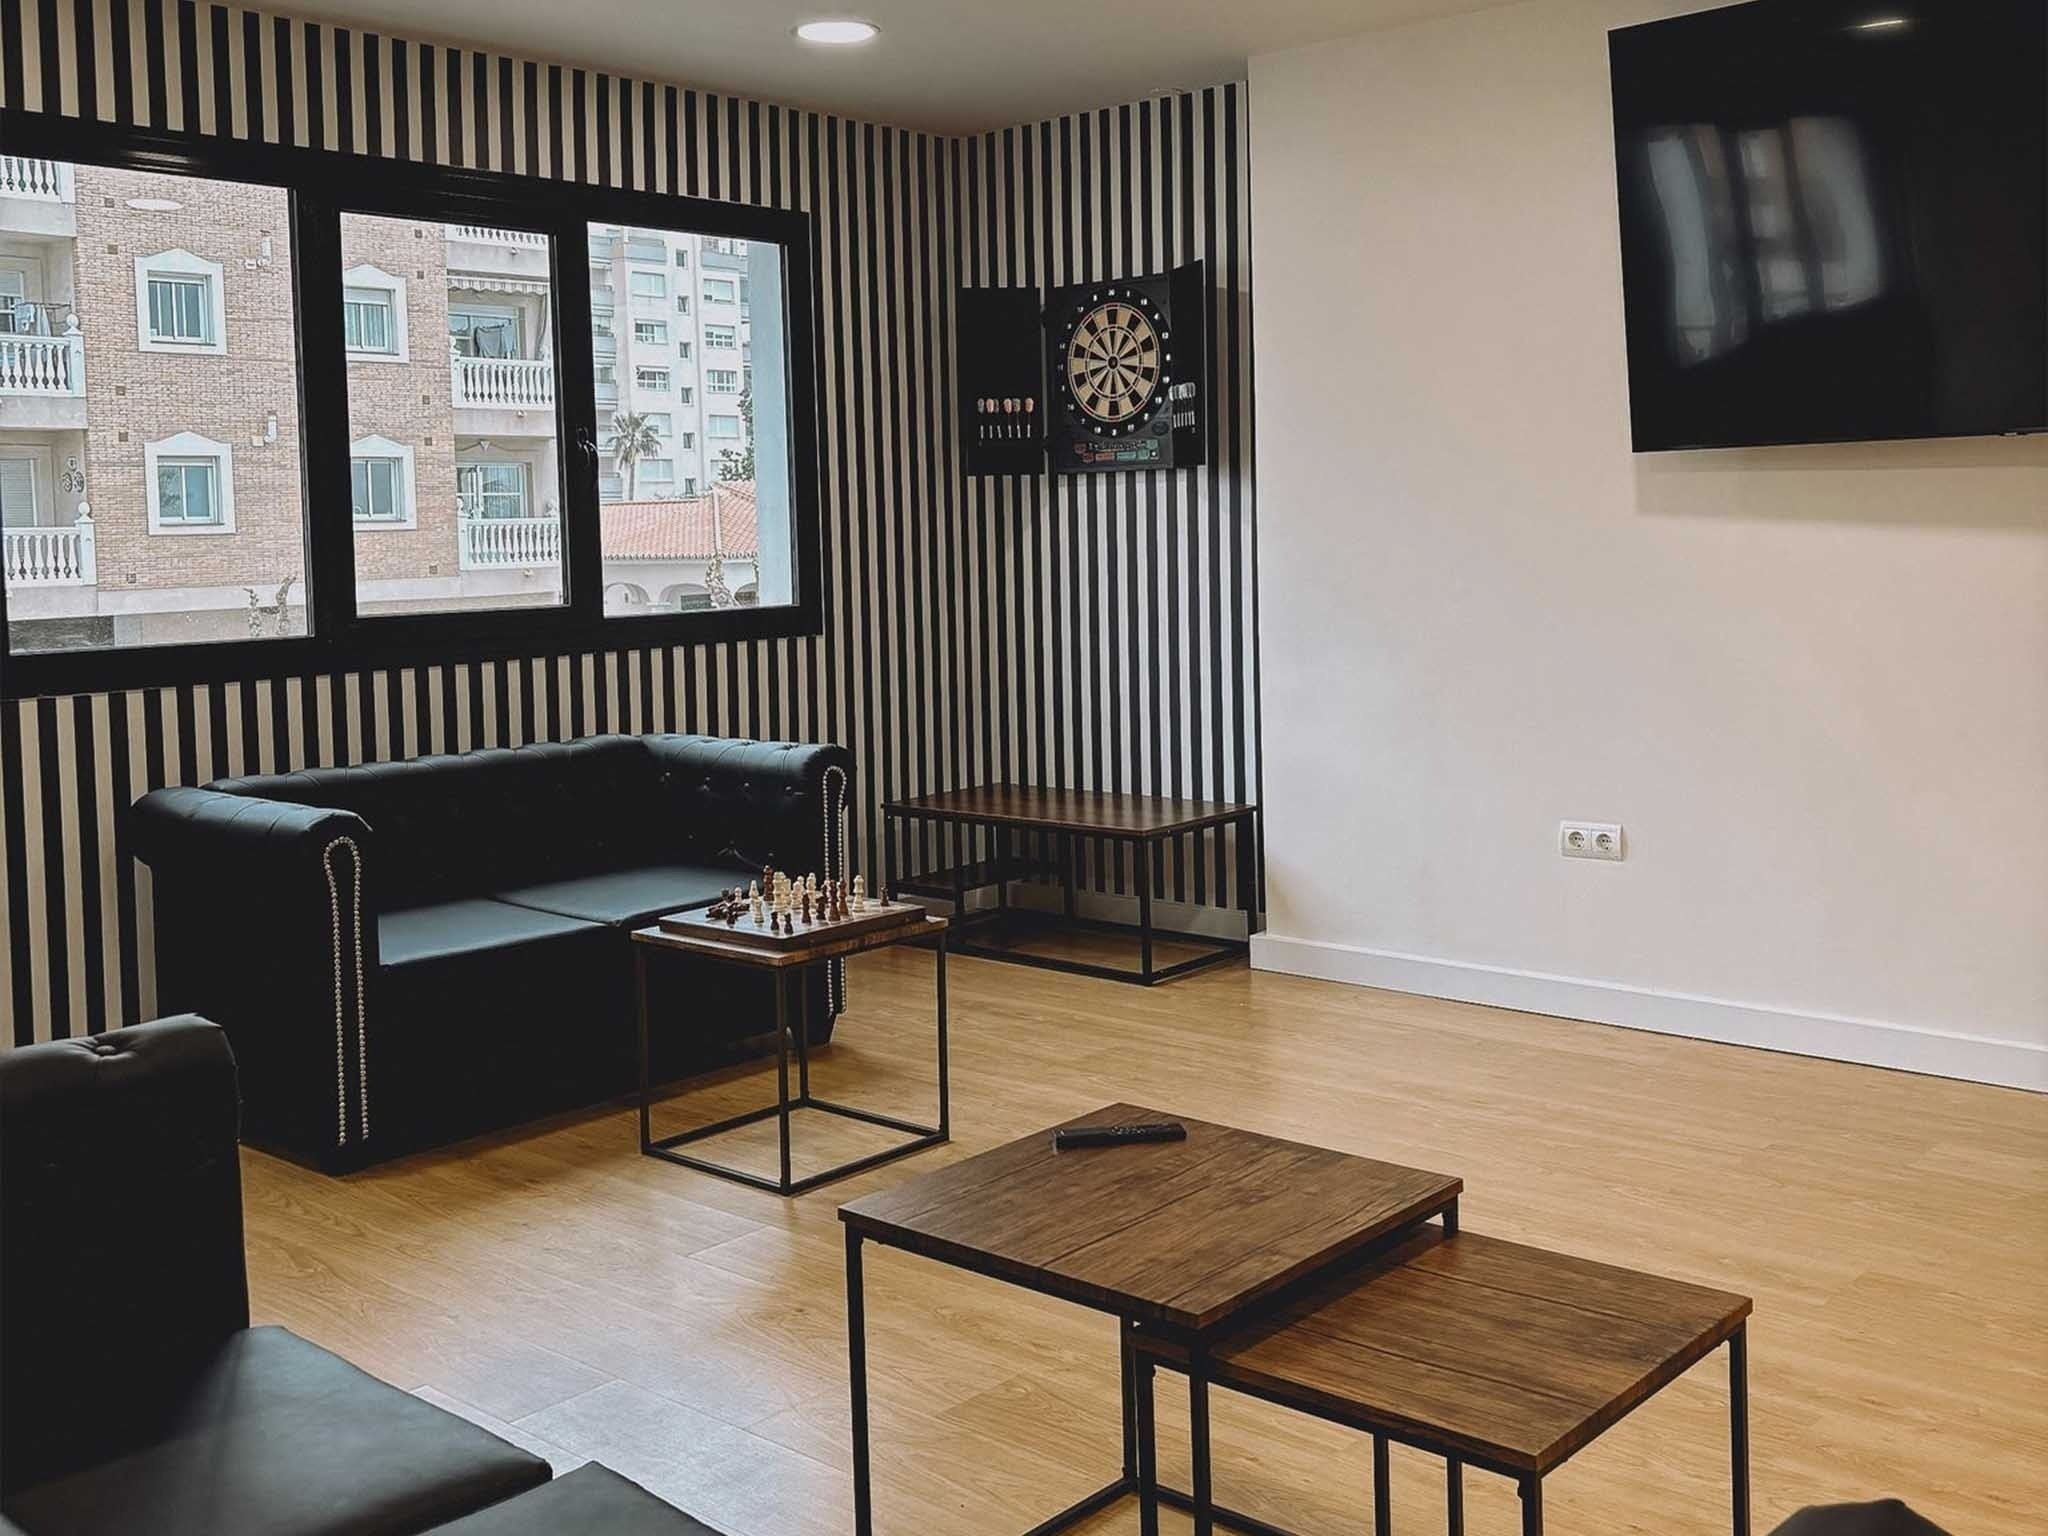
{"x": 597, "y": 1304}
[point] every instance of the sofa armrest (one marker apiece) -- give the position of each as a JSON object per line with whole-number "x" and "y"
{"x": 118, "y": 1157}
{"x": 759, "y": 803}
{"x": 264, "y": 923}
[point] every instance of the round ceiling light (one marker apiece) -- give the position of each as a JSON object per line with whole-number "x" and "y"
{"x": 837, "y": 31}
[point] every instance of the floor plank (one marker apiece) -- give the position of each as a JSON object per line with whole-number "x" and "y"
{"x": 1893, "y": 1230}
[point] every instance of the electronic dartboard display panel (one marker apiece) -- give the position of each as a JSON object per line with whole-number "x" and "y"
{"x": 1125, "y": 362}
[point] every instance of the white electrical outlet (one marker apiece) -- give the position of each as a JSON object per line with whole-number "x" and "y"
{"x": 1590, "y": 839}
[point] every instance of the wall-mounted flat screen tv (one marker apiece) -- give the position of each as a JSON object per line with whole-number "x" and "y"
{"x": 1834, "y": 221}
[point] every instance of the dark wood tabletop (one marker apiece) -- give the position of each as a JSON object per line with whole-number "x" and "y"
{"x": 823, "y": 944}
{"x": 1507, "y": 1355}
{"x": 1071, "y": 810}
{"x": 1180, "y": 1233}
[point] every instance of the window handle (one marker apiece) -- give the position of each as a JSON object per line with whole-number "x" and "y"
{"x": 586, "y": 442}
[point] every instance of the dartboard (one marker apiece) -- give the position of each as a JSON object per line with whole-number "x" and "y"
{"x": 1115, "y": 367}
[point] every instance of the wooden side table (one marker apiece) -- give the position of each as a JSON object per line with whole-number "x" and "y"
{"x": 1483, "y": 1352}
{"x": 786, "y": 968}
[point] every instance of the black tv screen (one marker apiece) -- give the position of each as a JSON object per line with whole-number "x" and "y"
{"x": 1834, "y": 221}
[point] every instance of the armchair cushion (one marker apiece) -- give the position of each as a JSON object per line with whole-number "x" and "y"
{"x": 591, "y": 1499}
{"x": 1885, "y": 1517}
{"x": 627, "y": 897}
{"x": 277, "y": 1437}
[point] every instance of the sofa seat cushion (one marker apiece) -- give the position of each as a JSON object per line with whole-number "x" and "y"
{"x": 591, "y": 1499}
{"x": 627, "y": 897}
{"x": 277, "y": 1437}
{"x": 1886, "y": 1517}
{"x": 450, "y": 930}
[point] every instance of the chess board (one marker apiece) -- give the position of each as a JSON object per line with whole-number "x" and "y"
{"x": 879, "y": 914}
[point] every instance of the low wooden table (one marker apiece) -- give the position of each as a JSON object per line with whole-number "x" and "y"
{"x": 1507, "y": 1357}
{"x": 1179, "y": 1239}
{"x": 786, "y": 966}
{"x": 1143, "y": 821}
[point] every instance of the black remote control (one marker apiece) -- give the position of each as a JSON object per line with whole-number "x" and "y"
{"x": 1068, "y": 1137}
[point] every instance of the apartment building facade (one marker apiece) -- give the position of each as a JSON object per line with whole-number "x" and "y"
{"x": 151, "y": 472}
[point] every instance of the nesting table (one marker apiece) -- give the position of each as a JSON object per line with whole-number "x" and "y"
{"x": 1335, "y": 1285}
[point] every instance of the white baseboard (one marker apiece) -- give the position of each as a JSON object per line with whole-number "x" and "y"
{"x": 1871, "y": 1042}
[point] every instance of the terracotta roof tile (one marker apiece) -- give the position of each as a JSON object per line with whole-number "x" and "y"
{"x": 683, "y": 529}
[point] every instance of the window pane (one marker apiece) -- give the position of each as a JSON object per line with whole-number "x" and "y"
{"x": 689, "y": 528}
{"x": 150, "y": 469}
{"x": 457, "y": 452}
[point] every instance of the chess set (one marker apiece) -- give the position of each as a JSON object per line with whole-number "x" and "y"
{"x": 784, "y": 911}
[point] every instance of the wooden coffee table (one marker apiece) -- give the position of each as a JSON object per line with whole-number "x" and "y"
{"x": 1477, "y": 1350}
{"x": 1181, "y": 1238}
{"x": 786, "y": 966}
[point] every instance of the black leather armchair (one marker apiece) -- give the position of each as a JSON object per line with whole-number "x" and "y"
{"x": 406, "y": 953}
{"x": 157, "y": 1407}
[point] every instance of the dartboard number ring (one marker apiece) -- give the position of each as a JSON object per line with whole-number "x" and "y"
{"x": 1115, "y": 372}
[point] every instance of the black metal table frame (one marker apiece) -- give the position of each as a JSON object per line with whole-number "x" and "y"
{"x": 1188, "y": 1359}
{"x": 1139, "y": 1475}
{"x": 783, "y": 978}
{"x": 1143, "y": 850}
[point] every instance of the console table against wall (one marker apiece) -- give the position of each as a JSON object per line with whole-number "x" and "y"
{"x": 1067, "y": 816}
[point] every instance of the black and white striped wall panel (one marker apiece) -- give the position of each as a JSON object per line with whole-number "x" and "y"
{"x": 1097, "y": 632}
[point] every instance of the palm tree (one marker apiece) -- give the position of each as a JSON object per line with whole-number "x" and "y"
{"x": 633, "y": 439}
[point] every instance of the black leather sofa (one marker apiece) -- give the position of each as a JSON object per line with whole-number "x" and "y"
{"x": 134, "y": 1395}
{"x": 407, "y": 953}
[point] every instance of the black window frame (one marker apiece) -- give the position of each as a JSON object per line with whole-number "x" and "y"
{"x": 324, "y": 184}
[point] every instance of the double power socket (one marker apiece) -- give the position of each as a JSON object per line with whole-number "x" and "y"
{"x": 1590, "y": 840}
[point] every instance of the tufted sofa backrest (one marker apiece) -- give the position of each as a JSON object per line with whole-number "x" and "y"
{"x": 465, "y": 824}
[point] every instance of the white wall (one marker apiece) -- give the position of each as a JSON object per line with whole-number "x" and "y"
{"x": 1813, "y": 682}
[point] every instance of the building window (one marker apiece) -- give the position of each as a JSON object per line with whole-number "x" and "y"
{"x": 682, "y": 303}
{"x": 726, "y": 380}
{"x": 683, "y": 350}
{"x": 661, "y": 423}
{"x": 687, "y": 441}
{"x": 653, "y": 333}
{"x": 381, "y": 482}
{"x": 686, "y": 394}
{"x": 682, "y": 256}
{"x": 689, "y": 485}
{"x": 720, "y": 290}
{"x": 178, "y": 303}
{"x": 17, "y": 491}
{"x": 651, "y": 378}
{"x": 648, "y": 285}
{"x": 722, "y": 426}
{"x": 658, "y": 471}
{"x": 484, "y": 330}
{"x": 491, "y": 490}
{"x": 190, "y": 481}
{"x": 723, "y": 336}
{"x": 610, "y": 487}
{"x": 373, "y": 315}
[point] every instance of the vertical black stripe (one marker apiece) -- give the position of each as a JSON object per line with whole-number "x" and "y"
{"x": 86, "y": 65}
{"x": 188, "y": 64}
{"x": 223, "y": 72}
{"x": 13, "y": 808}
{"x": 12, "y": 71}
{"x": 57, "y": 945}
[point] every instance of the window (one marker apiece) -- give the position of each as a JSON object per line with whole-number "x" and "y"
{"x": 686, "y": 394}
{"x": 455, "y": 464}
{"x": 648, "y": 285}
{"x": 725, "y": 380}
{"x": 720, "y": 290}
{"x": 381, "y": 482}
{"x": 651, "y": 378}
{"x": 683, "y": 350}
{"x": 661, "y": 423}
{"x": 652, "y": 333}
{"x": 373, "y": 315}
{"x": 721, "y": 336}
{"x": 190, "y": 485}
{"x": 178, "y": 301}
{"x": 484, "y": 330}
{"x": 17, "y": 490}
{"x": 687, "y": 441}
{"x": 682, "y": 256}
{"x": 722, "y": 426}
{"x": 658, "y": 471}
{"x": 689, "y": 485}
{"x": 682, "y": 303}
{"x": 491, "y": 490}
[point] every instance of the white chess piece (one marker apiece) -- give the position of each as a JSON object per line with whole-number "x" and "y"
{"x": 860, "y": 894}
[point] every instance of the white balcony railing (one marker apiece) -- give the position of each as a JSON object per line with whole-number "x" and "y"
{"x": 493, "y": 543}
{"x": 49, "y": 557}
{"x": 484, "y": 234}
{"x": 505, "y": 383}
{"x": 43, "y": 365}
{"x": 46, "y": 181}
